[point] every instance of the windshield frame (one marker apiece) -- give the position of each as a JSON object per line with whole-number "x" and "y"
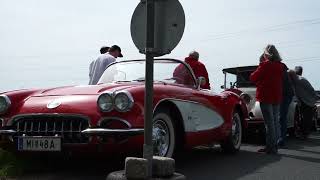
{"x": 164, "y": 60}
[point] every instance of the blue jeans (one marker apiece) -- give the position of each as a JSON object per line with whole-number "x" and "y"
{"x": 284, "y": 108}
{"x": 270, "y": 114}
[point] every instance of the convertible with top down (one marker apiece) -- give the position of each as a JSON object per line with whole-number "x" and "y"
{"x": 109, "y": 117}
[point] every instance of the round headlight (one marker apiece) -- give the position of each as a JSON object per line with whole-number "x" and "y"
{"x": 4, "y": 103}
{"x": 123, "y": 101}
{"x": 105, "y": 102}
{"x": 246, "y": 98}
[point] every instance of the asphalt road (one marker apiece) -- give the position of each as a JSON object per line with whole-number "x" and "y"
{"x": 300, "y": 160}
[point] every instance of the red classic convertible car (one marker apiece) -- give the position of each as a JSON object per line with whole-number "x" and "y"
{"x": 109, "y": 117}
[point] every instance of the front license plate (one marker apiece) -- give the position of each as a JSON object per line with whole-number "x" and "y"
{"x": 39, "y": 143}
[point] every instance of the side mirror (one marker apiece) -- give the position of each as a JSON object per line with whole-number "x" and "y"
{"x": 222, "y": 87}
{"x": 201, "y": 81}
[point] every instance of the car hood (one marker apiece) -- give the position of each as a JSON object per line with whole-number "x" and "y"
{"x": 86, "y": 89}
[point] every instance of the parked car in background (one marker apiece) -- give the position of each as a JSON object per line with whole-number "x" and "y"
{"x": 237, "y": 79}
{"x": 109, "y": 117}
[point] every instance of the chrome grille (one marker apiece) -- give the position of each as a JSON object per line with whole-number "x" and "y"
{"x": 67, "y": 126}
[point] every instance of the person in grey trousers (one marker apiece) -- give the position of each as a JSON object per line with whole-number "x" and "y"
{"x": 268, "y": 78}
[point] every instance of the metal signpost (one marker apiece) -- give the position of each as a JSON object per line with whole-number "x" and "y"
{"x": 148, "y": 98}
{"x": 156, "y": 28}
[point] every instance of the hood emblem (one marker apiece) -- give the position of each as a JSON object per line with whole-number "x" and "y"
{"x": 53, "y": 104}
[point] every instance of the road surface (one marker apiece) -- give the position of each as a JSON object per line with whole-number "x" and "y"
{"x": 300, "y": 160}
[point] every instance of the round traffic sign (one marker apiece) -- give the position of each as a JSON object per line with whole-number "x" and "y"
{"x": 169, "y": 26}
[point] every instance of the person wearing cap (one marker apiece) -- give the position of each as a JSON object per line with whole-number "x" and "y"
{"x": 98, "y": 66}
{"x": 197, "y": 67}
{"x": 268, "y": 78}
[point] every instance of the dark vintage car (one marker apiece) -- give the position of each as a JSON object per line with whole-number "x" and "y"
{"x": 239, "y": 79}
{"x": 109, "y": 117}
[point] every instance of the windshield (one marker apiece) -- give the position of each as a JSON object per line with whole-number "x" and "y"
{"x": 243, "y": 79}
{"x": 168, "y": 71}
{"x": 238, "y": 80}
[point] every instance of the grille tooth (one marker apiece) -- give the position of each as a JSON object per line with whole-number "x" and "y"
{"x": 46, "y": 130}
{"x": 80, "y": 126}
{"x": 31, "y": 128}
{"x": 39, "y": 126}
{"x": 25, "y": 127}
{"x": 68, "y": 127}
{"x": 54, "y": 126}
{"x": 18, "y": 126}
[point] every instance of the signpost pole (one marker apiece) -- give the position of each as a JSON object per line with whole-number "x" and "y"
{"x": 148, "y": 102}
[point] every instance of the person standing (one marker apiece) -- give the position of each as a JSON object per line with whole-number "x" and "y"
{"x": 103, "y": 50}
{"x": 98, "y": 66}
{"x": 307, "y": 98}
{"x": 287, "y": 94}
{"x": 268, "y": 78}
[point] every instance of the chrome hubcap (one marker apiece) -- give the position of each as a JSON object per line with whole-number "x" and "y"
{"x": 160, "y": 137}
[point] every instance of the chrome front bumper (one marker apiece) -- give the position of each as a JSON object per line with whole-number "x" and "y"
{"x": 7, "y": 132}
{"x": 92, "y": 132}
{"x": 110, "y": 132}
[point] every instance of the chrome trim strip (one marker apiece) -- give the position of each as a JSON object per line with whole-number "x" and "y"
{"x": 8, "y": 132}
{"x": 174, "y": 99}
{"x": 106, "y": 132}
{"x": 114, "y": 118}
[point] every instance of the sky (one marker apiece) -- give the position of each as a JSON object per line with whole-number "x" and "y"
{"x": 51, "y": 43}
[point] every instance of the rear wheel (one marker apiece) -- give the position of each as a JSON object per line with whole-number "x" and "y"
{"x": 233, "y": 142}
{"x": 163, "y": 135}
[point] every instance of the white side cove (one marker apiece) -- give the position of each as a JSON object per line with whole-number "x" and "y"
{"x": 197, "y": 117}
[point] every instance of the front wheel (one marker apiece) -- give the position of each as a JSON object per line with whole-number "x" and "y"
{"x": 163, "y": 135}
{"x": 233, "y": 141}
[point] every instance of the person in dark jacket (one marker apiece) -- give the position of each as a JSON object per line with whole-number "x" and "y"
{"x": 287, "y": 94}
{"x": 268, "y": 79}
{"x": 197, "y": 67}
{"x": 307, "y": 97}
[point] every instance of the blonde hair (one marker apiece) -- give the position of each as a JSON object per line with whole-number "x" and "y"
{"x": 272, "y": 53}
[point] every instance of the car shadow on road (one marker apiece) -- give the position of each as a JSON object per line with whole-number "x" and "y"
{"x": 207, "y": 163}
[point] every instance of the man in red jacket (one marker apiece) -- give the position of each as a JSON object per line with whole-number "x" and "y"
{"x": 197, "y": 67}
